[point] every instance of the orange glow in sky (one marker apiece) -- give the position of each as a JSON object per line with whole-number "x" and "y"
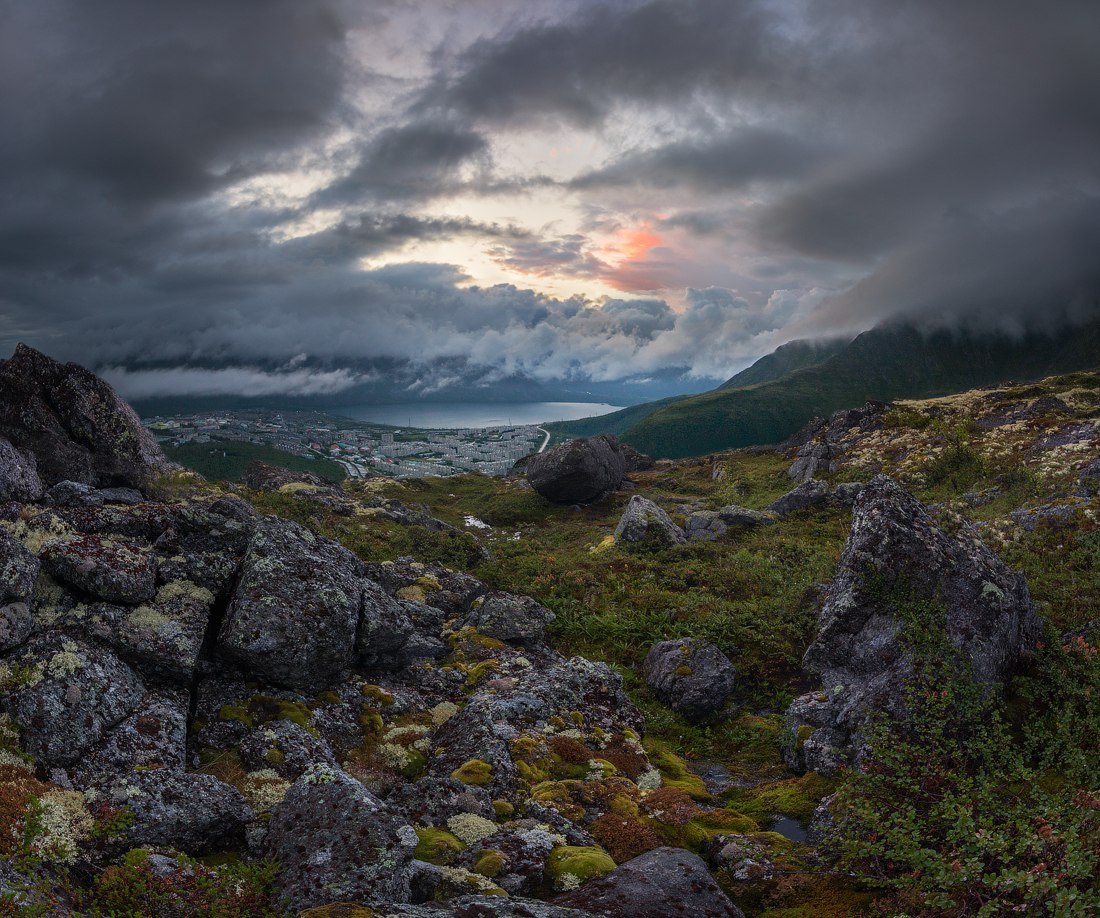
{"x": 630, "y": 245}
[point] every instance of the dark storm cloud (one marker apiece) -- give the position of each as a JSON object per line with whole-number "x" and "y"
{"x": 416, "y": 160}
{"x": 935, "y": 159}
{"x": 724, "y": 163}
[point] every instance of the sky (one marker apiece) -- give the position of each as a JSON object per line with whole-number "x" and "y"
{"x": 284, "y": 198}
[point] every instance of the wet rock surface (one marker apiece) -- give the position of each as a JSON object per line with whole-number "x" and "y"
{"x": 580, "y": 471}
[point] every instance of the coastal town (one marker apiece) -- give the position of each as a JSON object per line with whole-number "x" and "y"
{"x": 362, "y": 449}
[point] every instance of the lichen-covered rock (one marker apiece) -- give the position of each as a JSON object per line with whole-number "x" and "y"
{"x": 474, "y": 750}
{"x": 75, "y": 425}
{"x": 663, "y": 883}
{"x": 161, "y": 638}
{"x": 517, "y": 857}
{"x": 811, "y": 493}
{"x": 261, "y": 476}
{"x": 507, "y": 617}
{"x": 692, "y": 676}
{"x": 643, "y": 522}
{"x": 846, "y": 493}
{"x": 336, "y": 842}
{"x": 191, "y": 812}
{"x": 153, "y": 736}
{"x": 18, "y": 574}
{"x": 384, "y": 625}
{"x": 295, "y": 611}
{"x": 814, "y": 459}
{"x": 430, "y": 584}
{"x": 579, "y": 471}
{"x": 65, "y": 695}
{"x": 286, "y": 748}
{"x": 79, "y": 494}
{"x": 204, "y": 542}
{"x": 105, "y": 568}
{"x": 709, "y": 525}
{"x": 898, "y": 560}
{"x": 19, "y": 479}
{"x": 741, "y": 857}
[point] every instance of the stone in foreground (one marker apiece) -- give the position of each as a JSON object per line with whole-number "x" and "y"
{"x": 578, "y": 472}
{"x": 693, "y": 677}
{"x": 663, "y": 883}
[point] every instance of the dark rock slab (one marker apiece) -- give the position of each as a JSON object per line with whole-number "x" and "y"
{"x": 812, "y": 493}
{"x": 644, "y": 523}
{"x": 663, "y": 883}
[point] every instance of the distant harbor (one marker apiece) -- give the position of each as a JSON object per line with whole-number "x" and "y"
{"x": 460, "y": 415}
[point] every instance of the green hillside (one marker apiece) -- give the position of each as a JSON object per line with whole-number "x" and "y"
{"x": 887, "y": 362}
{"x": 226, "y": 460}
{"x": 792, "y": 356}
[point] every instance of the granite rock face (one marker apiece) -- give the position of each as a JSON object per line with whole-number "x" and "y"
{"x": 693, "y": 677}
{"x": 295, "y": 611}
{"x": 897, "y": 558}
{"x": 75, "y": 424}
{"x": 578, "y": 472}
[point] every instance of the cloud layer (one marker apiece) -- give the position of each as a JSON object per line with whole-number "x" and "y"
{"x": 258, "y": 199}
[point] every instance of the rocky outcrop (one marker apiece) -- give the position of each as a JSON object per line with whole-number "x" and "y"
{"x": 74, "y": 424}
{"x": 693, "y": 677}
{"x": 636, "y": 461}
{"x": 663, "y": 883}
{"x": 260, "y": 476}
{"x": 18, "y": 573}
{"x": 898, "y": 560}
{"x": 510, "y": 618}
{"x": 644, "y": 523}
{"x": 815, "y": 458}
{"x": 577, "y": 472}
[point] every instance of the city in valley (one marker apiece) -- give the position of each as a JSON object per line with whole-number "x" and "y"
{"x": 362, "y": 449}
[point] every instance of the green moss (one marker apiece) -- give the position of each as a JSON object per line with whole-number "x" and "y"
{"x": 475, "y": 771}
{"x": 489, "y": 863}
{"x": 479, "y": 671}
{"x": 797, "y": 797}
{"x": 274, "y": 756}
{"x": 674, "y": 770}
{"x": 378, "y": 694}
{"x": 503, "y": 809}
{"x": 437, "y": 846}
{"x": 328, "y": 697}
{"x": 262, "y": 709}
{"x": 573, "y": 861}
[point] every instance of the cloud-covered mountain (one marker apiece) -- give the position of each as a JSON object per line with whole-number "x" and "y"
{"x": 299, "y": 199}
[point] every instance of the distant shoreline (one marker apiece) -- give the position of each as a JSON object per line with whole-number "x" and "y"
{"x": 461, "y": 415}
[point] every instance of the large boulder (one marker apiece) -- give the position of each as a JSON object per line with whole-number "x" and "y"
{"x": 74, "y": 424}
{"x": 19, "y": 479}
{"x": 692, "y": 676}
{"x": 644, "y": 523}
{"x": 579, "y": 471}
{"x": 336, "y": 842}
{"x": 662, "y": 883}
{"x": 898, "y": 560}
{"x": 295, "y": 610}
